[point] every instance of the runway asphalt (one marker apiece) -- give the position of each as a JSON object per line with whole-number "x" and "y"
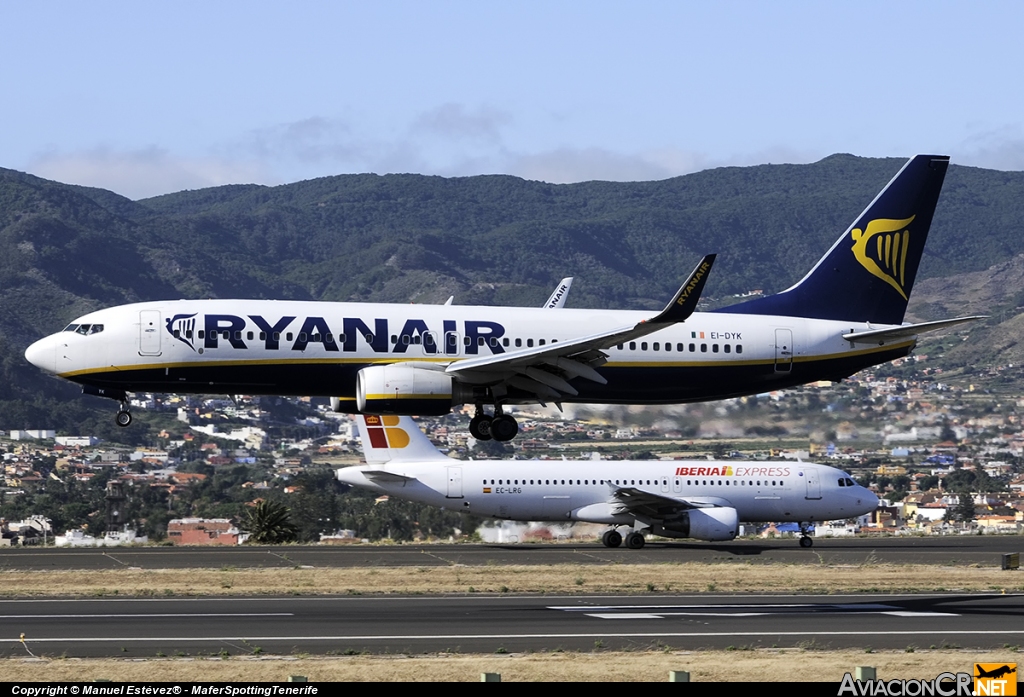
{"x": 347, "y": 625}
{"x": 954, "y": 550}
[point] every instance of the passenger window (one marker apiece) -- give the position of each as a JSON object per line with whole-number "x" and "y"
{"x": 494, "y": 342}
{"x": 519, "y": 342}
{"x": 679, "y": 347}
{"x": 201, "y": 333}
{"x": 176, "y": 333}
{"x": 529, "y": 343}
{"x": 541, "y": 342}
{"x": 727, "y": 348}
{"x": 277, "y": 336}
{"x": 739, "y": 348}
{"x": 263, "y": 336}
{"x": 188, "y": 333}
{"x": 467, "y": 341}
{"x": 288, "y": 336}
{"x": 302, "y": 336}
{"x": 248, "y": 336}
{"x": 643, "y": 345}
{"x": 657, "y": 345}
{"x": 703, "y": 348}
{"x": 504, "y": 342}
{"x": 714, "y": 348}
{"x": 693, "y": 348}
{"x": 394, "y": 338}
{"x": 632, "y": 346}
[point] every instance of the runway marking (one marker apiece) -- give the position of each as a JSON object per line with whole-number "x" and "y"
{"x": 158, "y": 614}
{"x": 586, "y": 635}
{"x": 629, "y": 612}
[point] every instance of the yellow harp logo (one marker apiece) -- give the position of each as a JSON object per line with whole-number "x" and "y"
{"x": 882, "y": 250}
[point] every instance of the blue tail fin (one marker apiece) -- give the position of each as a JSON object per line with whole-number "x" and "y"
{"x": 869, "y": 272}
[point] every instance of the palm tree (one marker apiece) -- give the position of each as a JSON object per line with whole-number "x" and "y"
{"x": 268, "y": 522}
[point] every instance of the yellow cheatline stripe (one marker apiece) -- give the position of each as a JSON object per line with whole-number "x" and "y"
{"x": 256, "y": 362}
{"x": 449, "y": 359}
{"x": 407, "y": 396}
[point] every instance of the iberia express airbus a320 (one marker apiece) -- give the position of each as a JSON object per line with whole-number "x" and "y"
{"x": 844, "y": 315}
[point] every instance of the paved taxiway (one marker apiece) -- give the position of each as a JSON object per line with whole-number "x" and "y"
{"x": 945, "y": 551}
{"x": 145, "y": 628}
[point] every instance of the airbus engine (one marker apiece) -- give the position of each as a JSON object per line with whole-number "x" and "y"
{"x": 402, "y": 388}
{"x": 711, "y": 524}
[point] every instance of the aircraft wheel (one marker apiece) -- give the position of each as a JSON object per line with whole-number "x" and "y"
{"x": 123, "y": 418}
{"x": 806, "y": 542}
{"x": 504, "y": 428}
{"x": 635, "y": 540}
{"x": 611, "y": 538}
{"x": 480, "y": 427}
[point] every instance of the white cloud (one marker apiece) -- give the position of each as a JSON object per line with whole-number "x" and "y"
{"x": 1001, "y": 148}
{"x": 147, "y": 172}
{"x": 456, "y": 122}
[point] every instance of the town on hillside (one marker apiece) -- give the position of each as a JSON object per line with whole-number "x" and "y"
{"x": 945, "y": 457}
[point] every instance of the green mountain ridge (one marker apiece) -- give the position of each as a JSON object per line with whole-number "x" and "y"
{"x": 492, "y": 239}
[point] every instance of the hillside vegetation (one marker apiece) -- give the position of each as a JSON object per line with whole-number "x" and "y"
{"x": 497, "y": 240}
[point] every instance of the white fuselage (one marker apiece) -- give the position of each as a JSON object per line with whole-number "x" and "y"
{"x": 535, "y": 490}
{"x": 316, "y": 348}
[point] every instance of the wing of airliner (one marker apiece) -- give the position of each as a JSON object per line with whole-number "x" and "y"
{"x": 907, "y": 330}
{"x": 646, "y": 504}
{"x": 530, "y": 369}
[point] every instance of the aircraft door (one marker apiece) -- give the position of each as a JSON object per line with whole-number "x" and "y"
{"x": 451, "y": 343}
{"x": 783, "y": 350}
{"x": 813, "y": 483}
{"x": 430, "y": 347}
{"x": 149, "y": 333}
{"x": 454, "y": 483}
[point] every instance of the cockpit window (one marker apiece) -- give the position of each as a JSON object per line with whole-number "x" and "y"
{"x": 71, "y": 327}
{"x": 85, "y": 329}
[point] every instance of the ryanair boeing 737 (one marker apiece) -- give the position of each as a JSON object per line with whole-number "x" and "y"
{"x": 846, "y": 314}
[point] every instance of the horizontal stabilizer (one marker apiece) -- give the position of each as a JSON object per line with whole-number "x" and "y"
{"x": 907, "y": 330}
{"x": 385, "y": 477}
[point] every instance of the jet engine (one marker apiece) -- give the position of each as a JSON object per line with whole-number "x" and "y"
{"x": 403, "y": 388}
{"x": 711, "y": 524}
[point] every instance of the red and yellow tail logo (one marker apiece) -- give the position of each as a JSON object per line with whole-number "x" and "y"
{"x": 382, "y": 433}
{"x": 995, "y": 678}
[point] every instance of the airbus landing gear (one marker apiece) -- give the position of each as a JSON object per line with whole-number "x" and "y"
{"x": 124, "y": 417}
{"x": 806, "y": 541}
{"x": 635, "y": 540}
{"x": 501, "y": 427}
{"x": 611, "y": 538}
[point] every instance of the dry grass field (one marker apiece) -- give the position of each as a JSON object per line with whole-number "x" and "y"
{"x": 568, "y": 578}
{"x": 763, "y": 665}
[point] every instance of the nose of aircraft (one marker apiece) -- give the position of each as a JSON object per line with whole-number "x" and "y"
{"x": 43, "y": 354}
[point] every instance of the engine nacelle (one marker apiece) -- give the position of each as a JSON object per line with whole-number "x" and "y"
{"x": 711, "y": 524}
{"x": 402, "y": 388}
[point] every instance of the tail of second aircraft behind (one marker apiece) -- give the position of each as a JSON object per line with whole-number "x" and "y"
{"x": 869, "y": 272}
{"x": 394, "y": 439}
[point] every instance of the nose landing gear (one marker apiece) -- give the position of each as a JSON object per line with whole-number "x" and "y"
{"x": 806, "y": 541}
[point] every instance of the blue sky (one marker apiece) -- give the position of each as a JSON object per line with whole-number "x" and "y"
{"x": 145, "y": 98}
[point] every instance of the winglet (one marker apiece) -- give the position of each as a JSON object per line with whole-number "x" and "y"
{"x": 685, "y": 301}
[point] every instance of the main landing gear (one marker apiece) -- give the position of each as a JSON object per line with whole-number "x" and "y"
{"x": 123, "y": 417}
{"x": 634, "y": 539}
{"x": 806, "y": 541}
{"x": 500, "y": 427}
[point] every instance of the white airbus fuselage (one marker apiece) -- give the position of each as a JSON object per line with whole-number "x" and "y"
{"x": 317, "y": 348}
{"x": 583, "y": 490}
